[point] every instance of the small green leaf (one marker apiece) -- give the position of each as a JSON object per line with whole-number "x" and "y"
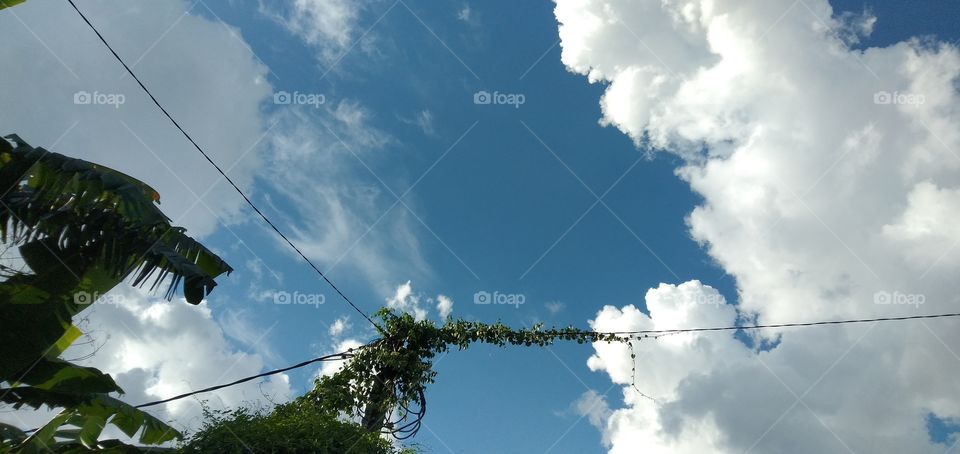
{"x": 71, "y": 335}
{"x": 91, "y": 430}
{"x": 127, "y": 421}
{"x": 9, "y": 3}
{"x": 41, "y": 440}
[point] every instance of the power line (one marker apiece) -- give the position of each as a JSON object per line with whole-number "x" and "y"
{"x": 332, "y": 357}
{"x": 348, "y": 353}
{"x": 214, "y": 164}
{"x": 645, "y": 333}
{"x": 779, "y": 325}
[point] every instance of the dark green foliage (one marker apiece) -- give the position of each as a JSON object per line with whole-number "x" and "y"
{"x": 289, "y": 428}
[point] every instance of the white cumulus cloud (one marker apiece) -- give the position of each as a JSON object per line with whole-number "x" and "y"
{"x": 829, "y": 176}
{"x": 405, "y": 300}
{"x": 444, "y": 306}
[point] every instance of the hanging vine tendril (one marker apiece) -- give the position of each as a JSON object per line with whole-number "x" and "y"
{"x": 633, "y": 365}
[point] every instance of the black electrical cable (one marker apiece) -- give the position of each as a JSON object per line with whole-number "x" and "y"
{"x": 780, "y": 325}
{"x": 333, "y": 357}
{"x": 646, "y": 333}
{"x": 214, "y": 164}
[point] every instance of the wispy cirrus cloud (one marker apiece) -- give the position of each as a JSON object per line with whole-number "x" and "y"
{"x": 331, "y": 26}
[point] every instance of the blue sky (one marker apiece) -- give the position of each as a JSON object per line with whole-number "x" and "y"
{"x": 539, "y": 200}
{"x": 499, "y": 200}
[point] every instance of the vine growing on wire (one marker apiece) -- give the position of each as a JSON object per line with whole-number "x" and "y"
{"x": 383, "y": 384}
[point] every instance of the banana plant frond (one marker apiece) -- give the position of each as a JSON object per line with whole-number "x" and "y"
{"x": 85, "y": 418}
{"x": 104, "y": 215}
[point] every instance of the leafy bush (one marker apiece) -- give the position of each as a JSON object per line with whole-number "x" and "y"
{"x": 289, "y": 428}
